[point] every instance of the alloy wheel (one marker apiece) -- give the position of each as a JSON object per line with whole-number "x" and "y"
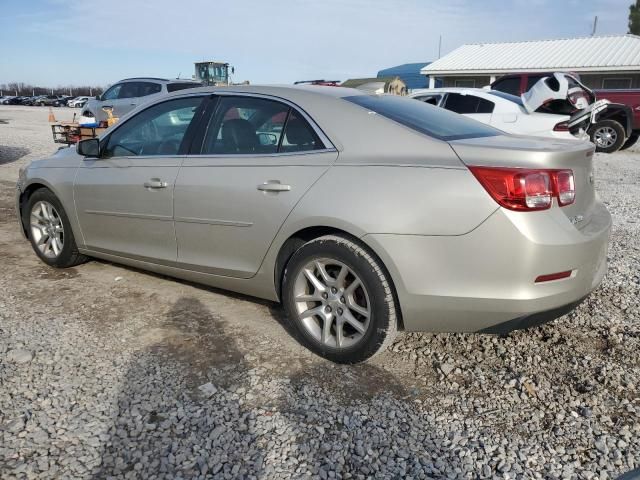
{"x": 605, "y": 137}
{"x": 332, "y": 303}
{"x": 47, "y": 230}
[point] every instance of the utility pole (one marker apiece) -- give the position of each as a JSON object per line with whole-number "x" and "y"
{"x": 439, "y": 46}
{"x": 595, "y": 26}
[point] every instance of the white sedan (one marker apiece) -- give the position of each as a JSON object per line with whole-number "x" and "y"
{"x": 77, "y": 102}
{"x": 501, "y": 110}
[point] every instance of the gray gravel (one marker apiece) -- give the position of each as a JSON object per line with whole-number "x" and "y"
{"x": 108, "y": 372}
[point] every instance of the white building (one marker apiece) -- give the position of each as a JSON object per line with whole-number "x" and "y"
{"x": 602, "y": 62}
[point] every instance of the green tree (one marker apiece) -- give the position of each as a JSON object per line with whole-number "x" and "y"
{"x": 634, "y": 18}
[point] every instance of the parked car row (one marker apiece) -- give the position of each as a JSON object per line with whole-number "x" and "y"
{"x": 44, "y": 100}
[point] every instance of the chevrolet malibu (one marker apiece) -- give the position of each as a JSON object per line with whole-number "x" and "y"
{"x": 363, "y": 214}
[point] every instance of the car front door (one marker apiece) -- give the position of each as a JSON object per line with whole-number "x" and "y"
{"x": 124, "y": 199}
{"x": 257, "y": 159}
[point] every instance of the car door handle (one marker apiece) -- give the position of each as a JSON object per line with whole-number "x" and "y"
{"x": 274, "y": 186}
{"x": 107, "y": 106}
{"x": 155, "y": 183}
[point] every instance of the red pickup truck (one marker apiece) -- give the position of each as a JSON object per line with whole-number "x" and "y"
{"x": 619, "y": 130}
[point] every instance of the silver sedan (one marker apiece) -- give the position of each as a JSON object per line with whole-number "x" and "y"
{"x": 363, "y": 214}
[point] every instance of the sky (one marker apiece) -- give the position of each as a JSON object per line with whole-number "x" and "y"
{"x": 81, "y": 42}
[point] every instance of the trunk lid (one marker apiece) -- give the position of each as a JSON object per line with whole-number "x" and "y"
{"x": 515, "y": 151}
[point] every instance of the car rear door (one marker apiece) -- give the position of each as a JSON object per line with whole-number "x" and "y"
{"x": 124, "y": 199}
{"x": 256, "y": 160}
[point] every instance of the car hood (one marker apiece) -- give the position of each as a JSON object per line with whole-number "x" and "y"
{"x": 65, "y": 157}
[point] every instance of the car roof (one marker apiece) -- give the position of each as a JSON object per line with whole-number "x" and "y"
{"x": 156, "y": 79}
{"x": 285, "y": 91}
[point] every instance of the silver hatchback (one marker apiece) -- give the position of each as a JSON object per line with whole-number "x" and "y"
{"x": 363, "y": 214}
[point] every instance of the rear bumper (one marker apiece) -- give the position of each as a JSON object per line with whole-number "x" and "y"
{"x": 486, "y": 278}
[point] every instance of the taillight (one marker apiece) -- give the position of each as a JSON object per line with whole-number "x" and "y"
{"x": 524, "y": 189}
{"x": 565, "y": 187}
{"x": 561, "y": 127}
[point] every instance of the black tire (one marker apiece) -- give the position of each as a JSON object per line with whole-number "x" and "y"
{"x": 69, "y": 255}
{"x": 383, "y": 322}
{"x": 620, "y": 135}
{"x": 631, "y": 141}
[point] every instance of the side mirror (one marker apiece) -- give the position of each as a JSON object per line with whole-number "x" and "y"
{"x": 89, "y": 147}
{"x": 97, "y": 97}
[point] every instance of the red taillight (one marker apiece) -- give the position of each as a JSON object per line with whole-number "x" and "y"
{"x": 553, "y": 276}
{"x": 526, "y": 190}
{"x": 561, "y": 127}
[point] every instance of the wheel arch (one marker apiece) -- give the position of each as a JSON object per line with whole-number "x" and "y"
{"x": 29, "y": 190}
{"x": 306, "y": 234}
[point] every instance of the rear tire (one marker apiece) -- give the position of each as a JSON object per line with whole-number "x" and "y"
{"x": 608, "y": 136}
{"x": 631, "y": 141}
{"x": 49, "y": 230}
{"x": 339, "y": 300}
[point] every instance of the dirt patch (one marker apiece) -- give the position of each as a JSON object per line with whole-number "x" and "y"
{"x": 11, "y": 154}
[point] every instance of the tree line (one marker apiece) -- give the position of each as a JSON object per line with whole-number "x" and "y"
{"x": 27, "y": 89}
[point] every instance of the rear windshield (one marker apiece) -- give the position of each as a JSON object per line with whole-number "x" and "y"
{"x": 424, "y": 118}
{"x": 174, "y": 87}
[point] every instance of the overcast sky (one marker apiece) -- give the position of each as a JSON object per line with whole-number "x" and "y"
{"x": 61, "y": 42}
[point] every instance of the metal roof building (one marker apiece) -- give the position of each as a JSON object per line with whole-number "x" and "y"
{"x": 602, "y": 62}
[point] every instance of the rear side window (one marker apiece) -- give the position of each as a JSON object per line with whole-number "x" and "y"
{"x": 508, "y": 85}
{"x": 467, "y": 104}
{"x": 249, "y": 126}
{"x": 148, "y": 88}
{"x": 129, "y": 90}
{"x": 174, "y": 87}
{"x": 421, "y": 117}
{"x": 430, "y": 99}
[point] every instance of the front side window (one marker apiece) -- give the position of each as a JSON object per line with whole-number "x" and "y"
{"x": 158, "y": 130}
{"x": 248, "y": 125}
{"x": 112, "y": 93}
{"x": 423, "y": 118}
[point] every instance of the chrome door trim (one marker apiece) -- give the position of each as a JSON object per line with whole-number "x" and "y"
{"x": 213, "y": 221}
{"x": 130, "y": 215}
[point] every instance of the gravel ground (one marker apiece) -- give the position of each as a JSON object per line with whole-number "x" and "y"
{"x": 109, "y": 372}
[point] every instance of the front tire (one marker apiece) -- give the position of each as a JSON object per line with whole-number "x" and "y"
{"x": 49, "y": 230}
{"x": 608, "y": 136}
{"x": 339, "y": 299}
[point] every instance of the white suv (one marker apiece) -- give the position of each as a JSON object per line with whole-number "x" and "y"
{"x": 125, "y": 95}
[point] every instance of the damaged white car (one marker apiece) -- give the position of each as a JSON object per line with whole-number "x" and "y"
{"x": 505, "y": 112}
{"x": 609, "y": 125}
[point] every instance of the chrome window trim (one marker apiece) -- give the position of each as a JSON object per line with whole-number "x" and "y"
{"x": 260, "y": 155}
{"x": 316, "y": 128}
